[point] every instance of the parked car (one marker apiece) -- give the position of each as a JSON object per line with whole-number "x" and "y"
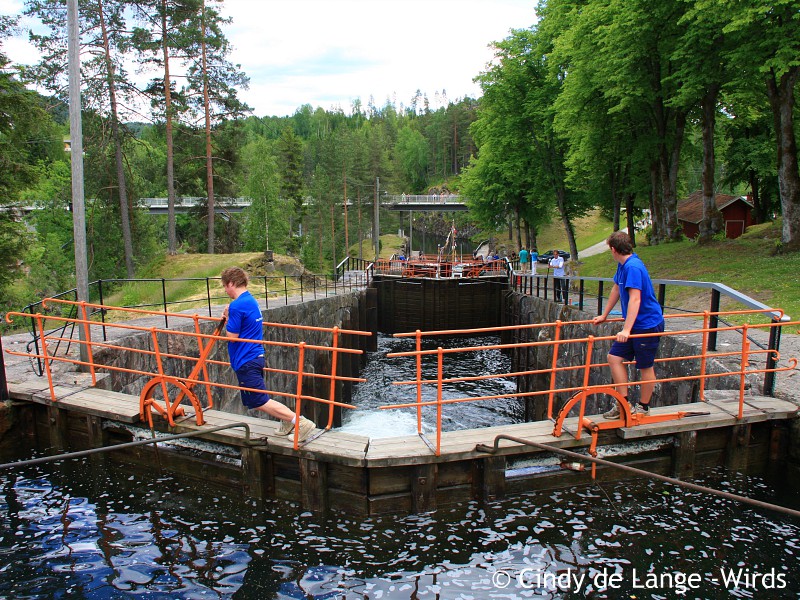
{"x": 545, "y": 258}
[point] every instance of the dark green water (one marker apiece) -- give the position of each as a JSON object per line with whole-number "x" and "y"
{"x": 74, "y": 531}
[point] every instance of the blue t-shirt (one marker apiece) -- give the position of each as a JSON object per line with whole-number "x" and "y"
{"x": 632, "y": 274}
{"x": 523, "y": 256}
{"x": 244, "y": 318}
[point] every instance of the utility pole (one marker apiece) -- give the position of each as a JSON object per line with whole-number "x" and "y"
{"x": 376, "y": 227}
{"x": 76, "y": 147}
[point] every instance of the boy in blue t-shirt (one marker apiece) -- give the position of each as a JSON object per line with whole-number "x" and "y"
{"x": 247, "y": 357}
{"x": 642, "y": 314}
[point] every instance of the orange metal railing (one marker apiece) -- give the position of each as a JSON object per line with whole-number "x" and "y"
{"x": 578, "y": 394}
{"x": 161, "y": 380}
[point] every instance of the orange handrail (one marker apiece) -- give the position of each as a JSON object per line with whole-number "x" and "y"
{"x": 199, "y": 375}
{"x": 585, "y": 389}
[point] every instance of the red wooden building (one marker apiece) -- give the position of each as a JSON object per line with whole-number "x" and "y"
{"x": 736, "y": 214}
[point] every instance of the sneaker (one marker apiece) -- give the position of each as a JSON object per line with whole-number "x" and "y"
{"x": 640, "y": 409}
{"x": 613, "y": 413}
{"x": 306, "y": 427}
{"x": 286, "y": 427}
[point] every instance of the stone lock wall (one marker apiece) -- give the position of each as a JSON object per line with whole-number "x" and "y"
{"x": 527, "y": 309}
{"x": 347, "y": 311}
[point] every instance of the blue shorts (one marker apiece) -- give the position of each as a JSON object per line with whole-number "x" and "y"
{"x": 643, "y": 349}
{"x": 251, "y": 375}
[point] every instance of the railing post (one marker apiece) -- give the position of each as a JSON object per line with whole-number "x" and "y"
{"x": 553, "y": 369}
{"x": 40, "y": 326}
{"x": 704, "y": 356}
{"x": 581, "y": 285}
{"x": 301, "y": 357}
{"x": 3, "y": 381}
{"x": 419, "y": 381}
{"x": 208, "y": 295}
{"x": 87, "y": 335}
{"x": 102, "y": 310}
{"x": 334, "y": 360}
{"x": 439, "y": 356}
{"x": 743, "y": 369}
{"x": 586, "y": 373}
{"x": 164, "y": 298}
{"x": 600, "y": 297}
{"x": 662, "y": 296}
{"x": 285, "y": 290}
{"x": 714, "y": 321}
{"x": 772, "y": 352}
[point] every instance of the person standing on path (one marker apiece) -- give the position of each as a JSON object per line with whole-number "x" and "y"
{"x": 642, "y": 314}
{"x": 523, "y": 259}
{"x": 247, "y": 357}
{"x": 561, "y": 284}
{"x": 534, "y": 256}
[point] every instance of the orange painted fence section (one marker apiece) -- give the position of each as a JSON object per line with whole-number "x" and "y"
{"x": 171, "y": 407}
{"x": 580, "y": 392}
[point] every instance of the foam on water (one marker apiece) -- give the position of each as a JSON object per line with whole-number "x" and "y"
{"x": 383, "y": 423}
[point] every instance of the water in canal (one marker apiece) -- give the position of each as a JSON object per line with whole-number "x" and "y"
{"x": 74, "y": 531}
{"x": 79, "y": 530}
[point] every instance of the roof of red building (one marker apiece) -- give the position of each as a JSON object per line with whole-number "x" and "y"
{"x": 691, "y": 209}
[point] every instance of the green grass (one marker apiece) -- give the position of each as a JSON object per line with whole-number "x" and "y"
{"x": 193, "y": 267}
{"x": 589, "y": 230}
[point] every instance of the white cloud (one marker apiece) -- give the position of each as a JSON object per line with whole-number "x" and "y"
{"x": 327, "y": 53}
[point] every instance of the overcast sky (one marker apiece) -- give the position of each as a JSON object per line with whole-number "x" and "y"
{"x": 327, "y": 53}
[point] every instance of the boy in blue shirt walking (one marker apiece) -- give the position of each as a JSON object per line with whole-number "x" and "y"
{"x": 247, "y": 358}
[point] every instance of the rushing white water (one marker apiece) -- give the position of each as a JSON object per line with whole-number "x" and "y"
{"x": 379, "y": 390}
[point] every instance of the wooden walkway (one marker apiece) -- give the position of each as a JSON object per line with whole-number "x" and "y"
{"x": 354, "y": 450}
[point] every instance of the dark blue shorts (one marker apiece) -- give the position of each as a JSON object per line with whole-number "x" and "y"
{"x": 642, "y": 349}
{"x": 251, "y": 375}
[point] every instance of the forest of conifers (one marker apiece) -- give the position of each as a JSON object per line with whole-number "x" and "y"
{"x": 619, "y": 104}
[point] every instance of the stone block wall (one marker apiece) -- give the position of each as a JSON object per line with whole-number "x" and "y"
{"x": 347, "y": 311}
{"x": 521, "y": 309}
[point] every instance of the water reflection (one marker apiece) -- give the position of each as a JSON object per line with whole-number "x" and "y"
{"x": 379, "y": 389}
{"x": 79, "y": 531}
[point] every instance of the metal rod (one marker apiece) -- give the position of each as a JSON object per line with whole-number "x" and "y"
{"x": 166, "y": 438}
{"x": 685, "y": 484}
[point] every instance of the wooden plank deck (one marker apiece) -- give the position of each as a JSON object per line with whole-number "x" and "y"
{"x": 723, "y": 412}
{"x": 355, "y": 450}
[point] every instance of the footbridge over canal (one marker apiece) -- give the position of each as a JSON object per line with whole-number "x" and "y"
{"x": 713, "y": 411}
